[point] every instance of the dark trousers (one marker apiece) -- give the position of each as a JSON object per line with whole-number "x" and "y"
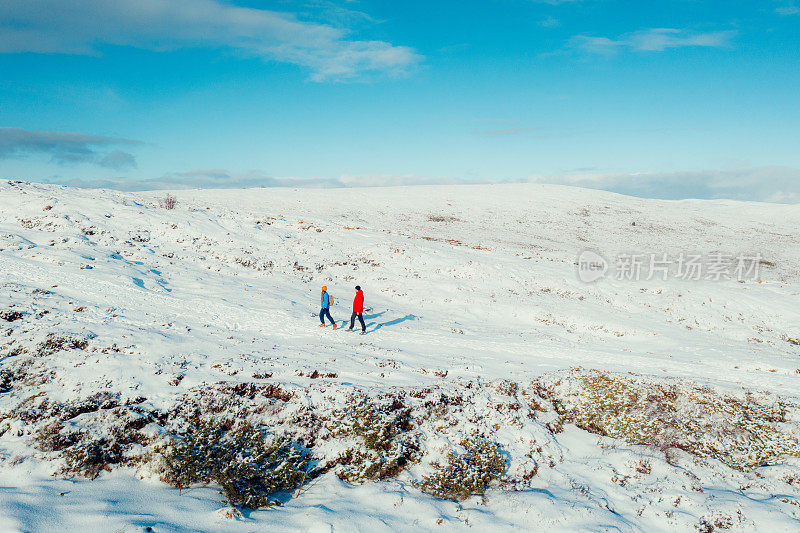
{"x": 325, "y": 312}
{"x": 360, "y": 319}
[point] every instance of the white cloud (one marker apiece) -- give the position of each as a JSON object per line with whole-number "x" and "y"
{"x": 81, "y": 27}
{"x": 596, "y": 45}
{"x": 654, "y": 40}
{"x": 66, "y": 147}
{"x": 787, "y": 10}
{"x": 549, "y": 22}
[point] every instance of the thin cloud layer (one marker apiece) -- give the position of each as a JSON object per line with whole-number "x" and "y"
{"x": 788, "y": 10}
{"x": 223, "y": 179}
{"x": 202, "y": 179}
{"x": 502, "y": 131}
{"x": 394, "y": 180}
{"x": 762, "y": 184}
{"x": 654, "y": 40}
{"x": 55, "y": 26}
{"x": 67, "y": 147}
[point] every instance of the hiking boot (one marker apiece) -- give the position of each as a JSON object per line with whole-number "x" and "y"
{"x": 334, "y": 326}
{"x": 322, "y": 325}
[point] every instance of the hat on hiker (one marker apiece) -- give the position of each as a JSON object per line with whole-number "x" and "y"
{"x": 358, "y": 287}
{"x": 324, "y": 287}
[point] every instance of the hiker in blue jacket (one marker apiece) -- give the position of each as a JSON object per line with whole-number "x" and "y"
{"x": 326, "y": 300}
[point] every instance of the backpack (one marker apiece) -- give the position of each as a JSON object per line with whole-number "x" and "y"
{"x": 330, "y": 299}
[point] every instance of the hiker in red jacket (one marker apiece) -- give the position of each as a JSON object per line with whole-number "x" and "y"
{"x": 358, "y": 310}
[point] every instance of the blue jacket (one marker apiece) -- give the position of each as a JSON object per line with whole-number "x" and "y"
{"x": 326, "y": 301}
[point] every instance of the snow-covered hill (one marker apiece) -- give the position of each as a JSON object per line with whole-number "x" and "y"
{"x": 120, "y": 320}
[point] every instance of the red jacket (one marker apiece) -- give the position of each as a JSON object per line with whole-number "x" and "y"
{"x": 358, "y": 302}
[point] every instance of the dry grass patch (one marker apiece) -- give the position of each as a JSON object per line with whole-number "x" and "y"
{"x": 443, "y": 218}
{"x": 56, "y": 343}
{"x": 743, "y": 432}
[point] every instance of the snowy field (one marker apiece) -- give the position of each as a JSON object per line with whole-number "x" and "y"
{"x": 619, "y": 405}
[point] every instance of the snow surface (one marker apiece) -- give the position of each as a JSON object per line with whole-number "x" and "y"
{"x": 462, "y": 283}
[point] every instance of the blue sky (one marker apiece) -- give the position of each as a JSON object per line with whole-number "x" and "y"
{"x": 675, "y": 98}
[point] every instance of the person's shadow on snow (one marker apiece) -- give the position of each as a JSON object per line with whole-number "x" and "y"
{"x": 391, "y": 322}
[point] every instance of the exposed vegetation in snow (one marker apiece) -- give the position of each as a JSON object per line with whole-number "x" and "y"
{"x": 177, "y": 352}
{"x": 743, "y": 431}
